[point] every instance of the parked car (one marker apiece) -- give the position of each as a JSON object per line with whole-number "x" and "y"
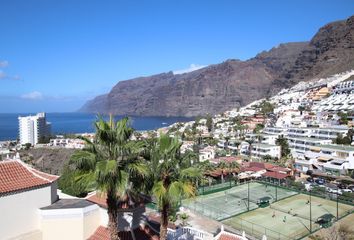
{"x": 309, "y": 179}
{"x": 308, "y": 186}
{"x": 320, "y": 181}
{"x": 347, "y": 190}
{"x": 342, "y": 186}
{"x": 335, "y": 191}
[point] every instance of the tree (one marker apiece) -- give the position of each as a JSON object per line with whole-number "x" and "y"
{"x": 267, "y": 158}
{"x": 266, "y": 107}
{"x": 209, "y": 123}
{"x": 226, "y": 143}
{"x": 171, "y": 180}
{"x": 68, "y": 184}
{"x": 237, "y": 145}
{"x": 111, "y": 165}
{"x": 343, "y": 117}
{"x": 258, "y": 128}
{"x": 347, "y": 140}
{"x": 284, "y": 146}
{"x": 28, "y": 146}
{"x": 301, "y": 109}
{"x": 44, "y": 139}
{"x": 190, "y": 157}
{"x": 250, "y": 142}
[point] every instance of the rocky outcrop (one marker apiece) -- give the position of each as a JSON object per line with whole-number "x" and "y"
{"x": 49, "y": 160}
{"x": 232, "y": 83}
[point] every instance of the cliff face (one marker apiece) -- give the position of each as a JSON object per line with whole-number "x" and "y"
{"x": 232, "y": 83}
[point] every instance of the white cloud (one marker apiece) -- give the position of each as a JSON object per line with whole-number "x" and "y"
{"x": 2, "y": 75}
{"x": 3, "y": 63}
{"x": 191, "y": 68}
{"x": 35, "y": 95}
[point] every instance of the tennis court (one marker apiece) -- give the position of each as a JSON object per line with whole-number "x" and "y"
{"x": 233, "y": 201}
{"x": 288, "y": 218}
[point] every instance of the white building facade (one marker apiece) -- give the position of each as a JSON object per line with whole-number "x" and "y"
{"x": 32, "y": 128}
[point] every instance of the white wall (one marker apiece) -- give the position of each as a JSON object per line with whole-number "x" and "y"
{"x": 73, "y": 223}
{"x": 19, "y": 212}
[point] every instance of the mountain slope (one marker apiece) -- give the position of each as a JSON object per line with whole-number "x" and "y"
{"x": 232, "y": 83}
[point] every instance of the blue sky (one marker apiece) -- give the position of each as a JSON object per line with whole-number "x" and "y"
{"x": 55, "y": 55}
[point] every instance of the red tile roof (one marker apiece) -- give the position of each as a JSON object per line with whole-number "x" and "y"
{"x": 275, "y": 175}
{"x": 16, "y": 175}
{"x": 156, "y": 218}
{"x": 100, "y": 199}
{"x": 252, "y": 169}
{"x": 218, "y": 172}
{"x": 261, "y": 165}
{"x": 141, "y": 233}
{"x": 226, "y": 159}
{"x": 279, "y": 169}
{"x": 228, "y": 237}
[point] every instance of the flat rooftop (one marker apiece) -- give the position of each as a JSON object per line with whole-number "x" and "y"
{"x": 68, "y": 203}
{"x": 338, "y": 147}
{"x": 308, "y": 139}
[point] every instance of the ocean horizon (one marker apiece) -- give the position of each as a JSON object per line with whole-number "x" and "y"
{"x": 74, "y": 122}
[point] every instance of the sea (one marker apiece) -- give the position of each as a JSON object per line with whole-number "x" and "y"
{"x": 64, "y": 123}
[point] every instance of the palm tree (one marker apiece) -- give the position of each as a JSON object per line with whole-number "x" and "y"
{"x": 111, "y": 164}
{"x": 223, "y": 166}
{"x": 171, "y": 180}
{"x": 191, "y": 158}
{"x": 237, "y": 144}
{"x": 250, "y": 142}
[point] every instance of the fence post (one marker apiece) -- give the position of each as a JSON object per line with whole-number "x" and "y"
{"x": 248, "y": 195}
{"x": 310, "y": 212}
{"x": 337, "y": 205}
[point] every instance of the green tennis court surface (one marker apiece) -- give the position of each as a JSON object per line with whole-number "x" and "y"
{"x": 233, "y": 201}
{"x": 288, "y": 218}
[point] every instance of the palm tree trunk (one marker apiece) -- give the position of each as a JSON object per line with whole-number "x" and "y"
{"x": 112, "y": 216}
{"x": 250, "y": 152}
{"x": 164, "y": 222}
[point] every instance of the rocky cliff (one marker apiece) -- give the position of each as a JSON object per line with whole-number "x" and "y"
{"x": 233, "y": 83}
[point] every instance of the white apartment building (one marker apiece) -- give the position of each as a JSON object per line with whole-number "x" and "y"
{"x": 268, "y": 139}
{"x": 207, "y": 153}
{"x": 261, "y": 150}
{"x": 32, "y": 128}
{"x": 299, "y": 146}
{"x": 274, "y": 130}
{"x": 329, "y": 133}
{"x": 344, "y": 87}
{"x": 319, "y": 133}
{"x": 335, "y": 159}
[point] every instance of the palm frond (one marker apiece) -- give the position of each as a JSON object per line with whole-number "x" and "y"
{"x": 86, "y": 180}
{"x": 106, "y": 174}
{"x": 83, "y": 160}
{"x": 160, "y": 193}
{"x": 191, "y": 173}
{"x": 179, "y": 189}
{"x": 139, "y": 169}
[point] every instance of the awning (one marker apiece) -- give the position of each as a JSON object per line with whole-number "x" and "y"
{"x": 324, "y": 159}
{"x": 316, "y": 149}
{"x": 337, "y": 161}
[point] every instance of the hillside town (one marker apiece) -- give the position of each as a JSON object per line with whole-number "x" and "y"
{"x": 302, "y": 137}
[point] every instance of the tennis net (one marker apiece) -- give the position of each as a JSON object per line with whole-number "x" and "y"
{"x": 290, "y": 212}
{"x": 241, "y": 197}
